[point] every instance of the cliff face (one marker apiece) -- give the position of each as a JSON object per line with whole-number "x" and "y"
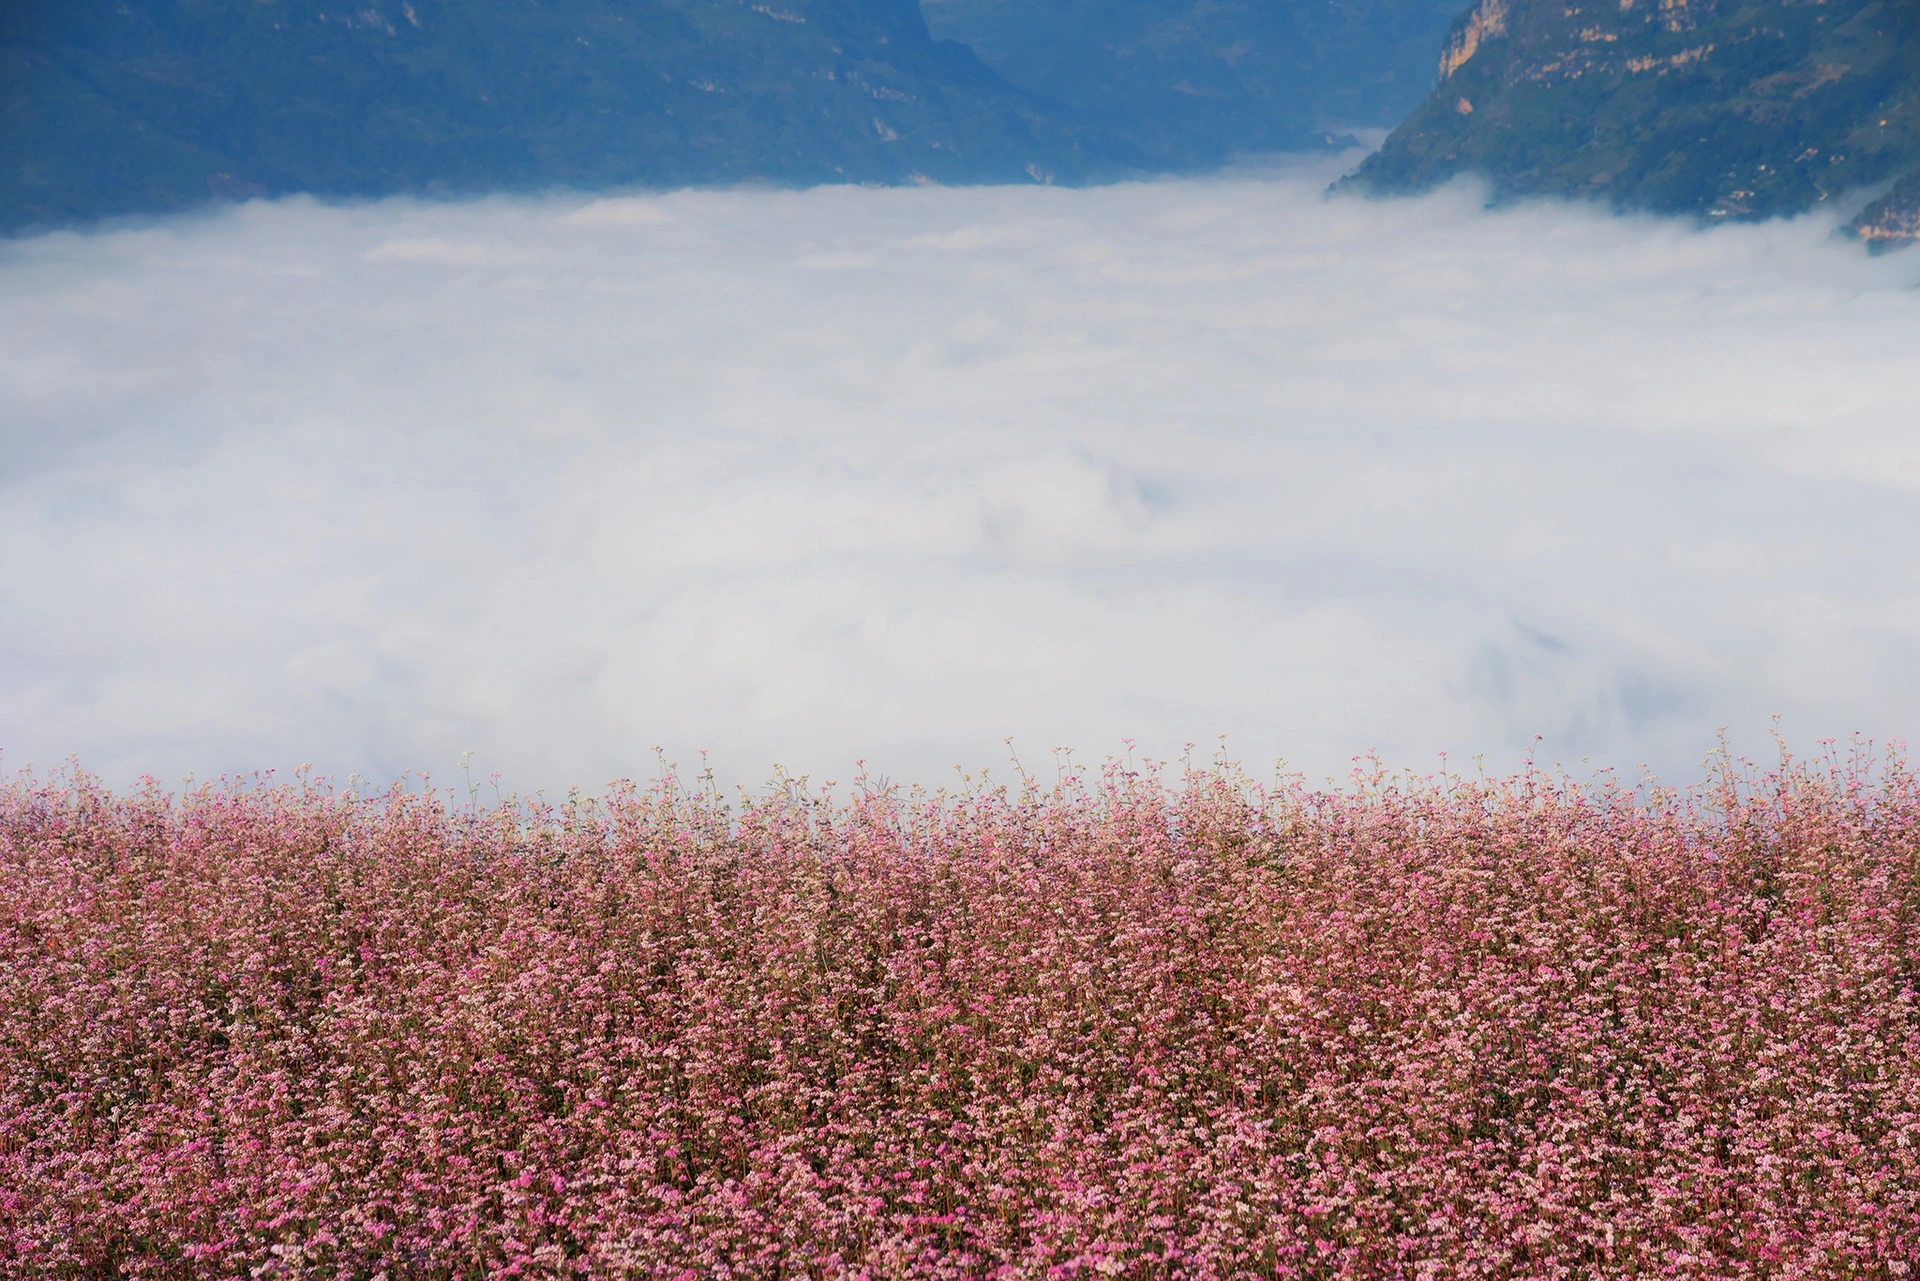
{"x": 109, "y": 107}
{"x": 1894, "y": 219}
{"x": 1723, "y": 108}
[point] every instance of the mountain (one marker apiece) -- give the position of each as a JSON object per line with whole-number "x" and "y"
{"x": 113, "y": 106}
{"x": 121, "y": 106}
{"x": 1187, "y": 83}
{"x": 1722, "y": 108}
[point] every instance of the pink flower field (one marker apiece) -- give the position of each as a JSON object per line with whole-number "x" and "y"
{"x": 1111, "y": 1028}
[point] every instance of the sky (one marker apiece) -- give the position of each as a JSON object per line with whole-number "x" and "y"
{"x": 806, "y": 479}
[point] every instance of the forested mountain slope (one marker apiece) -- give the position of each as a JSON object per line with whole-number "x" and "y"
{"x": 1724, "y": 108}
{"x": 115, "y": 106}
{"x": 111, "y": 105}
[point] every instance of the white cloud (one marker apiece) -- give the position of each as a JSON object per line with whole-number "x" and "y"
{"x": 812, "y": 477}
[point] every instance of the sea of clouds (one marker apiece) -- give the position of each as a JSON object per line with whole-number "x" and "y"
{"x": 806, "y": 478}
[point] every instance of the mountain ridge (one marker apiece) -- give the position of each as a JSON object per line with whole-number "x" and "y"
{"x": 110, "y": 107}
{"x": 113, "y": 108}
{"x": 1724, "y": 109}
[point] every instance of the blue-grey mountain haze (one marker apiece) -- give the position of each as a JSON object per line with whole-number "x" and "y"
{"x": 116, "y": 107}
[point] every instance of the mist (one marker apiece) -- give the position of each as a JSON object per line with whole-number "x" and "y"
{"x": 808, "y": 479}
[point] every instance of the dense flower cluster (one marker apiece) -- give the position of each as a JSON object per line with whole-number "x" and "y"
{"x": 1409, "y": 1029}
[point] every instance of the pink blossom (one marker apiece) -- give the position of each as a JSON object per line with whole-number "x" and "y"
{"x": 1416, "y": 1028}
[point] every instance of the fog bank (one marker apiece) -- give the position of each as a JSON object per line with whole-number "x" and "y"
{"x": 808, "y": 478}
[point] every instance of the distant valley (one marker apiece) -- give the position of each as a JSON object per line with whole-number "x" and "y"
{"x": 1184, "y": 83}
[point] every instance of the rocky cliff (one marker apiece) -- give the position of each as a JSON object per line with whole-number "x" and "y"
{"x": 1728, "y": 109}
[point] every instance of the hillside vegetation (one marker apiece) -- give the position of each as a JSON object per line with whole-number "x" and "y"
{"x": 1723, "y": 108}
{"x": 1440, "y": 1028}
{"x": 111, "y": 108}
